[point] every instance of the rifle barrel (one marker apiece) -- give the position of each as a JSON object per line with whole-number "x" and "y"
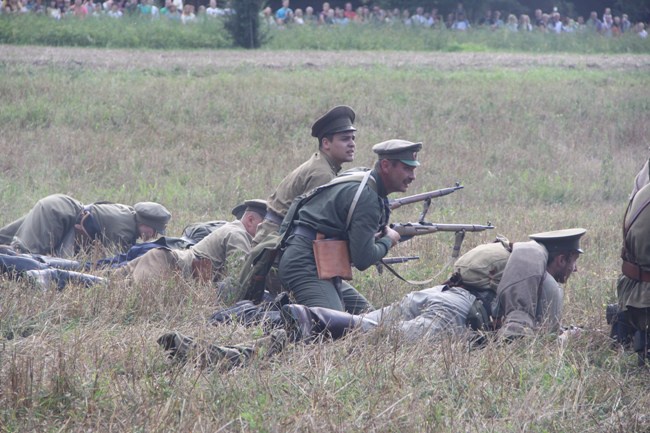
{"x": 409, "y": 230}
{"x": 399, "y": 202}
{"x": 394, "y": 260}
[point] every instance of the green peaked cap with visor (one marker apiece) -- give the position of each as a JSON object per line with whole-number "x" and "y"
{"x": 153, "y": 215}
{"x": 560, "y": 240}
{"x": 338, "y": 119}
{"x": 400, "y": 150}
{"x": 256, "y": 205}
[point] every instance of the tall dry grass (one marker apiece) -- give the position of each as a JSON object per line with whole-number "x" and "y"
{"x": 537, "y": 150}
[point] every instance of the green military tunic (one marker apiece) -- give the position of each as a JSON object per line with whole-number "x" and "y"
{"x": 316, "y": 171}
{"x": 48, "y": 228}
{"x": 117, "y": 223}
{"x": 327, "y": 213}
{"x": 632, "y": 293}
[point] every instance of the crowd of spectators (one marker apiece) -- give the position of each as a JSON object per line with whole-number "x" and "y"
{"x": 173, "y": 10}
{"x": 553, "y": 21}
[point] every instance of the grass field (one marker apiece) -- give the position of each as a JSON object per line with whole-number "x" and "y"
{"x": 540, "y": 143}
{"x": 139, "y": 32}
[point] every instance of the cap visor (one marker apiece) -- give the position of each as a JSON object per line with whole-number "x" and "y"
{"x": 341, "y": 129}
{"x": 410, "y": 162}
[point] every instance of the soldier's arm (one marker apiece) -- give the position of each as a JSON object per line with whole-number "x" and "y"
{"x": 365, "y": 248}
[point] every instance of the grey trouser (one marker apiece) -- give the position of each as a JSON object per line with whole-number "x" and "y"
{"x": 426, "y": 313}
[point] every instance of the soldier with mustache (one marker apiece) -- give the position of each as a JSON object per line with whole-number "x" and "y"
{"x": 353, "y": 208}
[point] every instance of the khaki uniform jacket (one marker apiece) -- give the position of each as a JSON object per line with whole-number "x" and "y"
{"x": 316, "y": 171}
{"x": 527, "y": 294}
{"x": 224, "y": 247}
{"x": 632, "y": 293}
{"x": 117, "y": 222}
{"x": 48, "y": 228}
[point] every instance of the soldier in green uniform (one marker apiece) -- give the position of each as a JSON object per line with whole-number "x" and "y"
{"x": 529, "y": 295}
{"x": 210, "y": 258}
{"x": 349, "y": 211}
{"x": 59, "y": 225}
{"x": 634, "y": 285}
{"x": 336, "y": 145}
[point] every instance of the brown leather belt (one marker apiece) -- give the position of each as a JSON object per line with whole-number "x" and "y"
{"x": 634, "y": 272}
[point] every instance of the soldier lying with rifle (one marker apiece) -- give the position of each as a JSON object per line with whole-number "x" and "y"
{"x": 512, "y": 286}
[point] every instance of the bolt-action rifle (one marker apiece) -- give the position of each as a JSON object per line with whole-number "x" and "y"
{"x": 409, "y": 230}
{"x": 394, "y": 260}
{"x": 425, "y": 196}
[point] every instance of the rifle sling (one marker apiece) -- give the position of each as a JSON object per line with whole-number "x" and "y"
{"x": 412, "y": 282}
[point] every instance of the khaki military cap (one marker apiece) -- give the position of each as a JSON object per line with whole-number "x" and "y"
{"x": 560, "y": 240}
{"x": 338, "y": 119}
{"x": 401, "y": 150}
{"x": 256, "y": 205}
{"x": 153, "y": 215}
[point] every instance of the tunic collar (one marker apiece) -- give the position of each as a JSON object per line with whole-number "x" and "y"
{"x": 381, "y": 189}
{"x": 335, "y": 167}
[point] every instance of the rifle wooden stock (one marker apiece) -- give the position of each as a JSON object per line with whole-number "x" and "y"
{"x": 408, "y": 230}
{"x": 399, "y": 202}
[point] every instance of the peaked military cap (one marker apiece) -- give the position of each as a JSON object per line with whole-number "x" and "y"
{"x": 338, "y": 119}
{"x": 560, "y": 240}
{"x": 255, "y": 205}
{"x": 153, "y": 215}
{"x": 401, "y": 150}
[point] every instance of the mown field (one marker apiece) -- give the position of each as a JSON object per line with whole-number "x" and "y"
{"x": 540, "y": 143}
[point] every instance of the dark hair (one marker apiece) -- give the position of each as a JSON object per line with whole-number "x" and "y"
{"x": 552, "y": 255}
{"x": 329, "y": 137}
{"x": 392, "y": 161}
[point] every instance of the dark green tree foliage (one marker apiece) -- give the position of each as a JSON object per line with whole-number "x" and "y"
{"x": 244, "y": 24}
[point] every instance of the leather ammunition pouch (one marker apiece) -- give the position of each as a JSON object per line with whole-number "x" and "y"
{"x": 332, "y": 258}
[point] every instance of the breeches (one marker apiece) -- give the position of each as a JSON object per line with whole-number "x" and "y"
{"x": 639, "y": 318}
{"x": 298, "y": 274}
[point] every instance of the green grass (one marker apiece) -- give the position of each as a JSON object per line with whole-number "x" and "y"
{"x": 105, "y": 32}
{"x": 538, "y": 150}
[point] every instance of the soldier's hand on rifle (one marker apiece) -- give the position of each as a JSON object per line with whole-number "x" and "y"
{"x": 392, "y": 235}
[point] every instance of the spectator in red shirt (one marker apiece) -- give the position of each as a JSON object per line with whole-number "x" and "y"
{"x": 349, "y": 12}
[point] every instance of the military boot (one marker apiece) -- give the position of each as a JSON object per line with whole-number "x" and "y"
{"x": 181, "y": 348}
{"x": 57, "y": 279}
{"x": 641, "y": 347}
{"x": 309, "y": 323}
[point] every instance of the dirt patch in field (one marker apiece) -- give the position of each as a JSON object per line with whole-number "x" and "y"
{"x": 215, "y": 60}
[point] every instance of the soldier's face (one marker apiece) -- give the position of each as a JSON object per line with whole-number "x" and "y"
{"x": 342, "y": 147}
{"x": 397, "y": 176}
{"x": 568, "y": 266}
{"x": 251, "y": 220}
{"x": 146, "y": 232}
